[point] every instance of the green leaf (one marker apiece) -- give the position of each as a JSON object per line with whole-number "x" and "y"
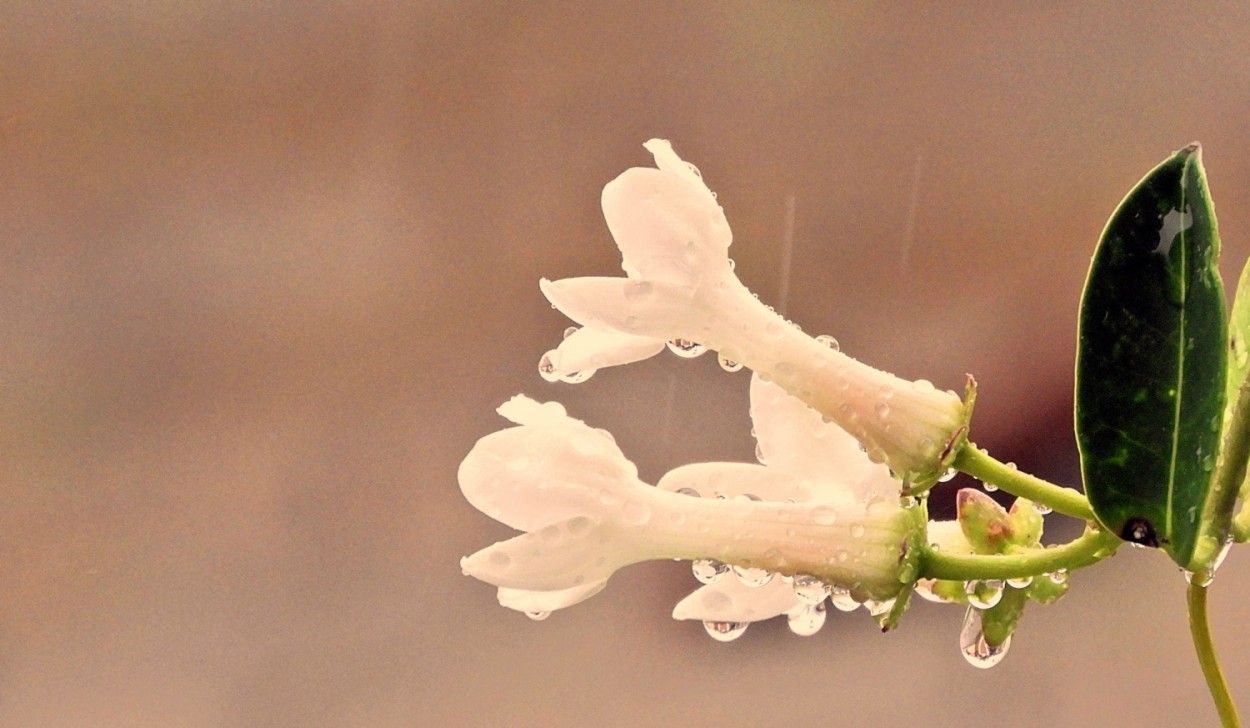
{"x": 1150, "y": 367}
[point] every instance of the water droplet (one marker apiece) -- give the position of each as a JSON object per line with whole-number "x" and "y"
{"x": 708, "y": 571}
{"x": 809, "y": 589}
{"x": 637, "y": 290}
{"x": 1058, "y": 577}
{"x": 570, "y": 331}
{"x": 728, "y": 364}
{"x": 759, "y": 454}
{"x": 908, "y": 502}
{"x": 1202, "y": 577}
{"x": 577, "y": 377}
{"x": 1020, "y": 582}
{"x": 538, "y": 616}
{"x": 752, "y": 577}
{"x": 807, "y": 620}
{"x": 984, "y": 593}
{"x": 1043, "y": 509}
{"x": 686, "y": 348}
{"x": 924, "y": 587}
{"x": 989, "y": 487}
{"x": 687, "y": 491}
{"x": 547, "y": 367}
{"x": 883, "y": 411}
{"x": 857, "y": 530}
{"x": 726, "y": 631}
{"x": 976, "y": 650}
{"x": 732, "y": 264}
{"x": 878, "y": 607}
{"x": 842, "y": 599}
{"x": 948, "y": 476}
{"x": 829, "y": 341}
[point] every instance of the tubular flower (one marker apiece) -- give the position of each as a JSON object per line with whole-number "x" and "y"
{"x": 679, "y": 287}
{"x": 586, "y": 514}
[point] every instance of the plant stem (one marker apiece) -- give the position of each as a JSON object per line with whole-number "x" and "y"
{"x": 973, "y": 461}
{"x": 1200, "y": 628}
{"x": 1091, "y": 547}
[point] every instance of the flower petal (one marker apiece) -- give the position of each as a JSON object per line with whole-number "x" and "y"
{"x": 729, "y": 600}
{"x": 573, "y": 553}
{"x": 666, "y": 222}
{"x": 531, "y": 476}
{"x": 660, "y": 311}
{"x": 794, "y": 438}
{"x": 524, "y": 411}
{"x": 590, "y": 348}
{"x": 524, "y": 600}
{"x": 732, "y": 479}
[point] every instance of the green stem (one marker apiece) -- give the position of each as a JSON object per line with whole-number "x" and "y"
{"x": 975, "y": 462}
{"x": 1091, "y": 547}
{"x": 1200, "y": 628}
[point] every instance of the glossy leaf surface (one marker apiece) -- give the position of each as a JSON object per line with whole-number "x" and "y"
{"x": 1151, "y": 357}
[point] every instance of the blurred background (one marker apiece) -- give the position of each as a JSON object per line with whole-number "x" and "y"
{"x": 266, "y": 270}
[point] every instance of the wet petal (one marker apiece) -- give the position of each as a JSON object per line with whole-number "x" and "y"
{"x": 794, "y": 438}
{"x": 659, "y": 311}
{"x": 531, "y": 476}
{"x": 732, "y": 479}
{"x": 523, "y": 600}
{"x": 573, "y": 553}
{"x": 592, "y": 348}
{"x": 524, "y": 411}
{"x": 729, "y": 600}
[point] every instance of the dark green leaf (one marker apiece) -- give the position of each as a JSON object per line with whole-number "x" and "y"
{"x": 1151, "y": 359}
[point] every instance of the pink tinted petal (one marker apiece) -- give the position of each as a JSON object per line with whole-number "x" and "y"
{"x": 729, "y": 600}
{"x": 547, "y": 601}
{"x": 591, "y": 348}
{"x": 731, "y": 479}
{"x": 640, "y": 308}
{"x": 668, "y": 229}
{"x": 531, "y": 476}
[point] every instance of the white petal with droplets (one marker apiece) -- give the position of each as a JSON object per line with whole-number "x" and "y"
{"x": 524, "y": 600}
{"x": 593, "y": 348}
{"x": 729, "y": 600}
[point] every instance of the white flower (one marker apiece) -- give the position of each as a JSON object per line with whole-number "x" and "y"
{"x": 586, "y": 514}
{"x": 806, "y": 460}
{"x": 680, "y": 285}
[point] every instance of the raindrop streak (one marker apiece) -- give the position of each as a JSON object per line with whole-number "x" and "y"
{"x": 984, "y": 593}
{"x": 726, "y": 631}
{"x": 752, "y": 577}
{"x": 685, "y": 348}
{"x": 538, "y": 616}
{"x": 972, "y": 644}
{"x": 808, "y": 619}
{"x": 708, "y": 571}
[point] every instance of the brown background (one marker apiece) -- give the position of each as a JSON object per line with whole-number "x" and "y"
{"x": 267, "y": 268}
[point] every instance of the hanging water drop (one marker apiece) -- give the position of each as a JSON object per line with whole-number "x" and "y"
{"x": 972, "y": 643}
{"x": 984, "y": 593}
{"x": 725, "y": 631}
{"x": 547, "y": 367}
{"x": 989, "y": 487}
{"x": 686, "y": 348}
{"x": 925, "y": 588}
{"x": 708, "y": 571}
{"x": 1058, "y": 577}
{"x": 948, "y": 476}
{"x": 728, "y": 364}
{"x": 878, "y": 607}
{"x": 570, "y": 331}
{"x": 538, "y": 616}
{"x": 809, "y": 589}
{"x": 842, "y": 599}
{"x": 1043, "y": 509}
{"x": 1021, "y": 582}
{"x": 752, "y": 577}
{"x": 759, "y": 454}
{"x": 808, "y": 619}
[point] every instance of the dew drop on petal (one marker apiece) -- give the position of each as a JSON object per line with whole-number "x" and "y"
{"x": 807, "y": 620}
{"x": 686, "y": 348}
{"x": 538, "y": 616}
{"x": 570, "y": 331}
{"x": 809, "y": 589}
{"x": 728, "y": 364}
{"x": 972, "y": 644}
{"x": 984, "y": 593}
{"x": 829, "y": 341}
{"x": 687, "y": 491}
{"x": 725, "y": 631}
{"x": 825, "y": 515}
{"x": 842, "y": 599}
{"x": 752, "y": 577}
{"x": 708, "y": 571}
{"x": 759, "y": 454}
{"x": 577, "y": 377}
{"x": 857, "y": 530}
